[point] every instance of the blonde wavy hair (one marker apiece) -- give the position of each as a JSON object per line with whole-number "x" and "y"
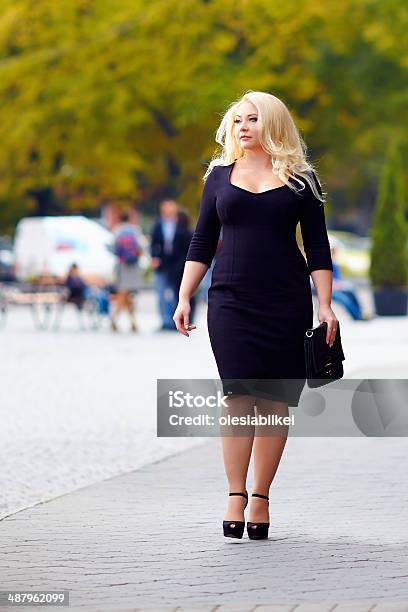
{"x": 278, "y": 136}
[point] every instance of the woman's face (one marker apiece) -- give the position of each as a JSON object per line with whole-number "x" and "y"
{"x": 246, "y": 126}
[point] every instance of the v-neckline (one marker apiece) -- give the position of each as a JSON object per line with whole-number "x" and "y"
{"x": 247, "y": 190}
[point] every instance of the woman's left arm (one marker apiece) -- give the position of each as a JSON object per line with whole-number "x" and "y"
{"x": 317, "y": 250}
{"x": 322, "y": 280}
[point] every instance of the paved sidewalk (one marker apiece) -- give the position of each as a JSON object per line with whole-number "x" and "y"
{"x": 153, "y": 537}
{"x": 58, "y": 430}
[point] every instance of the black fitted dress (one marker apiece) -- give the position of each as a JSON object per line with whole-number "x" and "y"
{"x": 260, "y": 300}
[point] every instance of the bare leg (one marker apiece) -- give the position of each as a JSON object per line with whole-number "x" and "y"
{"x": 131, "y": 310}
{"x": 237, "y": 446}
{"x": 120, "y": 303}
{"x": 269, "y": 443}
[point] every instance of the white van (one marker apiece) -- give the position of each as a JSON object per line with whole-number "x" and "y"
{"x": 49, "y": 245}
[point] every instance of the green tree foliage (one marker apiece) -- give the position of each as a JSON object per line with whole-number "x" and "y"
{"x": 389, "y": 254}
{"x": 111, "y": 99}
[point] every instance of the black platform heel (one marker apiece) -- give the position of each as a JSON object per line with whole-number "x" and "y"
{"x": 235, "y": 529}
{"x": 258, "y": 531}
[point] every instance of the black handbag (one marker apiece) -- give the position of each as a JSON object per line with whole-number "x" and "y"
{"x": 323, "y": 363}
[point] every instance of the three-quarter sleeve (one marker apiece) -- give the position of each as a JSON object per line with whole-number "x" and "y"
{"x": 204, "y": 241}
{"x": 314, "y": 231}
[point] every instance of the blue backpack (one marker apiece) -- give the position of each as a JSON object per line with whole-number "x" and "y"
{"x": 127, "y": 248}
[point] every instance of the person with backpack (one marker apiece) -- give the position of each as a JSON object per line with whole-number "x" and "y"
{"x": 128, "y": 250}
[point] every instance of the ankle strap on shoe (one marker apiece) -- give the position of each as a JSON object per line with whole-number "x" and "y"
{"x": 239, "y": 493}
{"x": 259, "y": 495}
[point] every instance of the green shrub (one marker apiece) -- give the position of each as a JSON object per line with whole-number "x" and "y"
{"x": 389, "y": 231}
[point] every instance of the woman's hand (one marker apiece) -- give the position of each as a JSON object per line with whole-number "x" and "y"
{"x": 181, "y": 317}
{"x": 326, "y": 314}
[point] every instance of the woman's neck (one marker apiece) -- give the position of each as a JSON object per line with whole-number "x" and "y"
{"x": 256, "y": 159}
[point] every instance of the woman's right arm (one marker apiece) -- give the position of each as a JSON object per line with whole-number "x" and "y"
{"x": 200, "y": 254}
{"x": 194, "y": 272}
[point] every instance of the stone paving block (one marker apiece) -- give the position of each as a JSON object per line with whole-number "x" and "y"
{"x": 314, "y": 607}
{"x": 353, "y": 606}
{"x": 391, "y": 606}
{"x": 235, "y": 607}
{"x": 193, "y": 608}
{"x": 155, "y": 609}
{"x": 275, "y": 608}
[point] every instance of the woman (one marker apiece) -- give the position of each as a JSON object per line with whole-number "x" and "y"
{"x": 128, "y": 276}
{"x": 260, "y": 301}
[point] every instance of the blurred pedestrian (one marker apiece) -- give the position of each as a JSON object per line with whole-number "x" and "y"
{"x": 128, "y": 250}
{"x": 181, "y": 243}
{"x": 344, "y": 290}
{"x": 76, "y": 287}
{"x": 161, "y": 250}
